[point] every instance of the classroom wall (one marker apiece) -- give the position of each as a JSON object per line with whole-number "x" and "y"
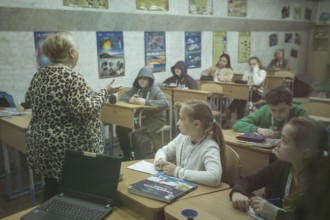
{"x": 18, "y": 62}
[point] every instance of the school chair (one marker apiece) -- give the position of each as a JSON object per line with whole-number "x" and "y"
{"x": 231, "y": 167}
{"x": 288, "y": 78}
{"x": 168, "y": 125}
{"x": 215, "y": 101}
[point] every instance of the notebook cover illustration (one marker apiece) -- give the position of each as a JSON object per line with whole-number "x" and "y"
{"x": 162, "y": 187}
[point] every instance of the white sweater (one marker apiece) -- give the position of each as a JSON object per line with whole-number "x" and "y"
{"x": 199, "y": 163}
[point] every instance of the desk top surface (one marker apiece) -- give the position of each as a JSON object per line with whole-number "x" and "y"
{"x": 21, "y": 121}
{"x": 132, "y": 176}
{"x": 230, "y": 138}
{"x": 129, "y": 105}
{"x": 211, "y": 206}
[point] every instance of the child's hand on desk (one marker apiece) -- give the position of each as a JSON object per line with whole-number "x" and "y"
{"x": 266, "y": 132}
{"x": 169, "y": 168}
{"x": 263, "y": 208}
{"x": 159, "y": 164}
{"x": 240, "y": 201}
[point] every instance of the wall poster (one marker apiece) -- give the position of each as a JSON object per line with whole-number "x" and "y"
{"x": 193, "y": 49}
{"x": 237, "y": 8}
{"x": 203, "y": 7}
{"x": 155, "y": 51}
{"x": 244, "y": 47}
{"x": 110, "y": 54}
{"x": 87, "y": 3}
{"x": 219, "y": 45}
{"x": 152, "y": 5}
{"x": 39, "y": 37}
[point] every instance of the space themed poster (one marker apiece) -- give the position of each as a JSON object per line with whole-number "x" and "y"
{"x": 39, "y": 37}
{"x": 193, "y": 49}
{"x": 155, "y": 51}
{"x": 110, "y": 54}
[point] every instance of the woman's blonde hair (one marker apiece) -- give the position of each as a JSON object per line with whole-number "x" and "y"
{"x": 57, "y": 47}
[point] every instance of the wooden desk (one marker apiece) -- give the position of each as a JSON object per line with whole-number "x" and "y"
{"x": 318, "y": 99}
{"x": 213, "y": 206}
{"x": 12, "y": 135}
{"x": 118, "y": 213}
{"x": 252, "y": 159}
{"x": 122, "y": 113}
{"x": 234, "y": 90}
{"x": 149, "y": 208}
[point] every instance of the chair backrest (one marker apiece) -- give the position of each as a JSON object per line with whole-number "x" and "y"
{"x": 284, "y": 73}
{"x": 232, "y": 166}
{"x": 317, "y": 108}
{"x": 212, "y": 87}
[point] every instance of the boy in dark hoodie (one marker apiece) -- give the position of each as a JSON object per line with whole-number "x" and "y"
{"x": 180, "y": 77}
{"x": 143, "y": 92}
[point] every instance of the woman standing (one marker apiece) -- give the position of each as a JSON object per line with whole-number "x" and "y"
{"x": 65, "y": 112}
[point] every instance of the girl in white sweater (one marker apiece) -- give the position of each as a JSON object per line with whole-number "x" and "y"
{"x": 198, "y": 150}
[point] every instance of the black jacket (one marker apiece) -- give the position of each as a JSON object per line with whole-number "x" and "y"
{"x": 184, "y": 79}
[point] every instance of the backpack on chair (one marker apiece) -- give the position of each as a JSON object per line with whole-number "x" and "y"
{"x": 142, "y": 144}
{"x": 6, "y": 100}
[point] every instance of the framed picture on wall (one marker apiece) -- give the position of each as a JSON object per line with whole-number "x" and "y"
{"x": 193, "y": 43}
{"x": 273, "y": 40}
{"x": 39, "y": 37}
{"x": 155, "y": 51}
{"x": 86, "y": 3}
{"x": 110, "y": 54}
{"x": 244, "y": 47}
{"x": 202, "y": 7}
{"x": 152, "y": 5}
{"x": 237, "y": 8}
{"x": 219, "y": 45}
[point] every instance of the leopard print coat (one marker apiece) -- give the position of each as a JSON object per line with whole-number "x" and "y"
{"x": 65, "y": 115}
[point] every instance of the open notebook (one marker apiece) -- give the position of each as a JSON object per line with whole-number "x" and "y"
{"x": 88, "y": 188}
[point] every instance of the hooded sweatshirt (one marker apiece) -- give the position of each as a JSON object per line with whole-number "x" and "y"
{"x": 152, "y": 94}
{"x": 184, "y": 78}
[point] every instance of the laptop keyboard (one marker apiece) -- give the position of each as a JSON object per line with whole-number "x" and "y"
{"x": 73, "y": 211}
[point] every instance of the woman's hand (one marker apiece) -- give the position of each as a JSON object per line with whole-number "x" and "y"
{"x": 169, "y": 168}
{"x": 263, "y": 208}
{"x": 240, "y": 201}
{"x": 110, "y": 89}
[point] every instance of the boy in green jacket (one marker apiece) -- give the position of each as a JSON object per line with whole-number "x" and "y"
{"x": 271, "y": 118}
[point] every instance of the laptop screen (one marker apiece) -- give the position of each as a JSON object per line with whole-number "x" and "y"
{"x": 90, "y": 177}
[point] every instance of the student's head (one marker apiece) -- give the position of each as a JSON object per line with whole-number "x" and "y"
{"x": 61, "y": 48}
{"x": 179, "y": 69}
{"x": 279, "y": 54}
{"x": 254, "y": 62}
{"x": 279, "y": 101}
{"x": 144, "y": 78}
{"x": 303, "y": 140}
{"x": 224, "y": 61}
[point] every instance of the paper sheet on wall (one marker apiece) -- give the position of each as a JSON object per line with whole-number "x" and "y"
{"x": 143, "y": 166}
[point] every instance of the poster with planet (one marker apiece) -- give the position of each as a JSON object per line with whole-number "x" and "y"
{"x": 110, "y": 54}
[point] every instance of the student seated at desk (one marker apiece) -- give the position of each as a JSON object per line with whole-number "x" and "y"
{"x": 143, "y": 92}
{"x": 271, "y": 118}
{"x": 221, "y": 72}
{"x": 300, "y": 152}
{"x": 279, "y": 62}
{"x": 256, "y": 76}
{"x": 180, "y": 77}
{"x": 198, "y": 150}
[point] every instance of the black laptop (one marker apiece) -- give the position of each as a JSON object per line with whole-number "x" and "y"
{"x": 88, "y": 189}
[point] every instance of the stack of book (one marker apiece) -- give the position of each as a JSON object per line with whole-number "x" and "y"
{"x": 162, "y": 187}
